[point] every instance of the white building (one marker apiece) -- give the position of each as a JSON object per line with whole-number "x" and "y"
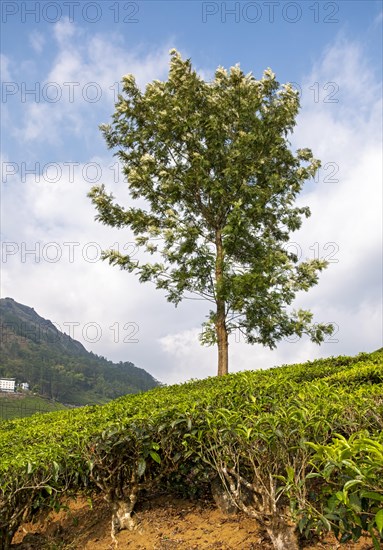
{"x": 7, "y": 384}
{"x": 24, "y": 386}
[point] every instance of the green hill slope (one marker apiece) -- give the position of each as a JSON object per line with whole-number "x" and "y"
{"x": 57, "y": 366}
{"x": 26, "y": 404}
{"x": 298, "y": 448}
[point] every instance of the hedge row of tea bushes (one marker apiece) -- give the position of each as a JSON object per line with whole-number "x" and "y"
{"x": 299, "y": 448}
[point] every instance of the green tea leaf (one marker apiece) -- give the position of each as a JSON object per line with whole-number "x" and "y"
{"x": 379, "y": 520}
{"x": 155, "y": 456}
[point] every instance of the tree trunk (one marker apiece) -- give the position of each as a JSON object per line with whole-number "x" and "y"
{"x": 220, "y": 324}
{"x": 282, "y": 534}
{"x": 122, "y": 514}
{"x": 223, "y": 344}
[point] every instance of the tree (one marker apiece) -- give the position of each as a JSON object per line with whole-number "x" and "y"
{"x": 216, "y": 178}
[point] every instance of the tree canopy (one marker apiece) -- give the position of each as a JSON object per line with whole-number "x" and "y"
{"x": 213, "y": 183}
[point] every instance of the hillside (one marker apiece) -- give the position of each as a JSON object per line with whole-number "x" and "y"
{"x": 58, "y": 367}
{"x": 297, "y": 449}
{"x": 19, "y": 405}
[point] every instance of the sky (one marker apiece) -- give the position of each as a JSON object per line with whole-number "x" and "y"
{"x": 61, "y": 69}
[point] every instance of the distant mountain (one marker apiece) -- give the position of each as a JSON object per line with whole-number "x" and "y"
{"x": 56, "y": 366}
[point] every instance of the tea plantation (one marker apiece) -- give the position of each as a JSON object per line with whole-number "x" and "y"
{"x": 299, "y": 448}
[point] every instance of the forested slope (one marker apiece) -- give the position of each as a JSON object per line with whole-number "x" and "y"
{"x": 56, "y": 366}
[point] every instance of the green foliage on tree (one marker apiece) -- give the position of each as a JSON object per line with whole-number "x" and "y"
{"x": 216, "y": 180}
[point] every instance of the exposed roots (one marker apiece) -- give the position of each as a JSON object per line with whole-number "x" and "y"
{"x": 258, "y": 499}
{"x": 122, "y": 514}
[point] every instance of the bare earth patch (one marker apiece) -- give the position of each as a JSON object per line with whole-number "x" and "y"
{"x": 163, "y": 523}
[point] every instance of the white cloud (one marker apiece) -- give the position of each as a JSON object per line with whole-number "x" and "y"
{"x": 82, "y": 83}
{"x": 37, "y": 41}
{"x": 346, "y": 212}
{"x": 64, "y": 32}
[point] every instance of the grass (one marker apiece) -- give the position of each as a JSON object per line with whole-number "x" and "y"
{"x": 22, "y": 405}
